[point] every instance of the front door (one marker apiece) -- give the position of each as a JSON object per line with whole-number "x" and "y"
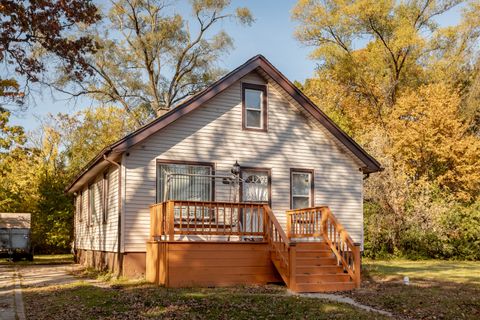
{"x": 256, "y": 186}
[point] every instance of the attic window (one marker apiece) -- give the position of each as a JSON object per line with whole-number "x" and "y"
{"x": 254, "y": 107}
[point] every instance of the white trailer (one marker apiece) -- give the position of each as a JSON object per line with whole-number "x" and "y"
{"x": 15, "y": 235}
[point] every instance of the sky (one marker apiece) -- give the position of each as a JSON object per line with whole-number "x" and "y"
{"x": 270, "y": 35}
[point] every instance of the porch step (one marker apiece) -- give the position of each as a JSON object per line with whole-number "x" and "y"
{"x": 323, "y": 278}
{"x": 307, "y": 246}
{"x": 323, "y": 261}
{"x": 308, "y": 270}
{"x": 314, "y": 253}
{"x": 316, "y": 269}
{"x": 324, "y": 287}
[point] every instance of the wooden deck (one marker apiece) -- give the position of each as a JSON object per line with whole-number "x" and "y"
{"x": 206, "y": 264}
{"x": 224, "y": 244}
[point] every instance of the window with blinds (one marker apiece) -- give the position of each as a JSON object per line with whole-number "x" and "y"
{"x": 183, "y": 184}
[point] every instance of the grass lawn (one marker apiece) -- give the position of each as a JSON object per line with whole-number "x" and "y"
{"x": 142, "y": 301}
{"x": 42, "y": 259}
{"x": 437, "y": 290}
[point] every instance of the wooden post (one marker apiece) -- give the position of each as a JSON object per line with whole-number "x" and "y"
{"x": 162, "y": 265}
{"x": 152, "y": 262}
{"x": 265, "y": 222}
{"x": 166, "y": 274}
{"x": 324, "y": 219}
{"x": 292, "y": 263}
{"x": 357, "y": 265}
{"x": 289, "y": 225}
{"x": 161, "y": 218}
{"x": 171, "y": 220}
{"x": 153, "y": 210}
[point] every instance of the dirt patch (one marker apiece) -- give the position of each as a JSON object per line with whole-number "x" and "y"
{"x": 47, "y": 275}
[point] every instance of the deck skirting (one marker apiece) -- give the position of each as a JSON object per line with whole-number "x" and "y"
{"x": 209, "y": 264}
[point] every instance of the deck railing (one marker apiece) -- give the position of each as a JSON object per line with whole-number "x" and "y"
{"x": 305, "y": 223}
{"x": 201, "y": 218}
{"x": 319, "y": 222}
{"x": 283, "y": 252}
{"x": 254, "y": 221}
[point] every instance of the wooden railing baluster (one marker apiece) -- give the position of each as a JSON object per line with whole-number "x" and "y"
{"x": 207, "y": 218}
{"x": 224, "y": 214}
{"x": 180, "y": 220}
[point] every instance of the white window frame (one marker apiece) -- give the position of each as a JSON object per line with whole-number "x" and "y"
{"x": 311, "y": 193}
{"x": 263, "y": 106}
{"x": 91, "y": 204}
{"x": 105, "y": 197}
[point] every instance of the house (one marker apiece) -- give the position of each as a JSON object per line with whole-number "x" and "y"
{"x": 245, "y": 182}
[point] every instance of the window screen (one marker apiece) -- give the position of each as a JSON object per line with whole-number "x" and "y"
{"x": 301, "y": 189}
{"x": 184, "y": 187}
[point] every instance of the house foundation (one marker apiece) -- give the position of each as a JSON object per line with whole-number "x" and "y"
{"x": 132, "y": 264}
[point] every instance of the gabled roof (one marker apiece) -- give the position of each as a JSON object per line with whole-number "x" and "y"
{"x": 259, "y": 61}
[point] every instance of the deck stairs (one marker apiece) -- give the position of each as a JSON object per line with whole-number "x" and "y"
{"x": 321, "y": 256}
{"x": 317, "y": 269}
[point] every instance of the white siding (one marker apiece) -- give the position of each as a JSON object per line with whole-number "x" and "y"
{"x": 213, "y": 133}
{"x": 98, "y": 235}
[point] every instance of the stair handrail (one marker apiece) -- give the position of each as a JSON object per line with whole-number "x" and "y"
{"x": 342, "y": 245}
{"x": 279, "y": 244}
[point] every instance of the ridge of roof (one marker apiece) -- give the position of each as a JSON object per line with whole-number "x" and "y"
{"x": 193, "y": 102}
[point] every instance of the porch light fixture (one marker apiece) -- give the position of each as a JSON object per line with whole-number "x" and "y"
{"x": 235, "y": 168}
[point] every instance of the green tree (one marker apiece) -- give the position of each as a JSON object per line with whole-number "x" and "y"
{"x": 153, "y": 58}
{"x": 85, "y": 133}
{"x": 52, "y": 219}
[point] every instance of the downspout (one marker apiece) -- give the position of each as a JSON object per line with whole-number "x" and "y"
{"x": 119, "y": 226}
{"x": 74, "y": 246}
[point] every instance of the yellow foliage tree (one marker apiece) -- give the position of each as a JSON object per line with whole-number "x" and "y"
{"x": 430, "y": 141}
{"x": 407, "y": 90}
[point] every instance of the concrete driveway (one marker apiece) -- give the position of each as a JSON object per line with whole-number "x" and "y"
{"x": 13, "y": 278}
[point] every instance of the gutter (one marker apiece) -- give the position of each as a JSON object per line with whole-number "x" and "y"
{"x": 90, "y": 164}
{"x": 119, "y": 225}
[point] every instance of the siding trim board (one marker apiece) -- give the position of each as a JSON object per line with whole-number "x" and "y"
{"x": 370, "y": 164}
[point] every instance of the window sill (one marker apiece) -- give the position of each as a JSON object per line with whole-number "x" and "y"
{"x": 254, "y": 129}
